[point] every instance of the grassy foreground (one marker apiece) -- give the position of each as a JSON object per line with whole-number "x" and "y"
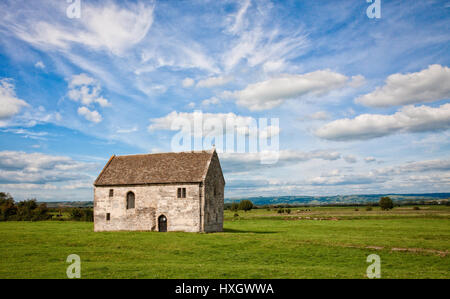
{"x": 319, "y": 243}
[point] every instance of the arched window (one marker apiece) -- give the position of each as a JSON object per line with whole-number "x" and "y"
{"x": 130, "y": 200}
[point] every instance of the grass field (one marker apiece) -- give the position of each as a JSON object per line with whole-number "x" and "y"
{"x": 319, "y": 243}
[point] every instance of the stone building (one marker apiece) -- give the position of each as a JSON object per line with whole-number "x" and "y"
{"x": 160, "y": 192}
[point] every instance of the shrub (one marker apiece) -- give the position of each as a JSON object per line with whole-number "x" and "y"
{"x": 356, "y": 209}
{"x": 41, "y": 213}
{"x": 76, "y": 214}
{"x": 236, "y": 215}
{"x": 245, "y": 205}
{"x": 386, "y": 203}
{"x": 416, "y": 208}
{"x": 234, "y": 206}
{"x": 288, "y": 211}
{"x": 7, "y": 206}
{"x": 369, "y": 209}
{"x": 280, "y": 210}
{"x": 88, "y": 215}
{"x": 27, "y": 210}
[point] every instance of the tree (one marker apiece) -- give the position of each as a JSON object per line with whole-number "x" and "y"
{"x": 234, "y": 206}
{"x": 25, "y": 209}
{"x": 88, "y": 215}
{"x": 245, "y": 205}
{"x": 7, "y": 206}
{"x": 41, "y": 213}
{"x": 386, "y": 203}
{"x": 76, "y": 214}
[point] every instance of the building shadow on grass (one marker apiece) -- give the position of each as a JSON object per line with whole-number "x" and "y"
{"x": 238, "y": 231}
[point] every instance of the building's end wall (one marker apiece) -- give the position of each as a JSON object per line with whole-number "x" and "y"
{"x": 183, "y": 214}
{"x": 214, "y": 200}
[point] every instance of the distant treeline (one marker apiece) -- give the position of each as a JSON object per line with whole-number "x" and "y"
{"x": 345, "y": 200}
{"x": 31, "y": 210}
{"x": 229, "y": 206}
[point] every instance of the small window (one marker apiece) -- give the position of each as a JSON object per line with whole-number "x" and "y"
{"x": 215, "y": 191}
{"x": 108, "y": 216}
{"x": 111, "y": 192}
{"x": 130, "y": 200}
{"x": 181, "y": 192}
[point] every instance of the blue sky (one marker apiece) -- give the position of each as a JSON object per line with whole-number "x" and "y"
{"x": 363, "y": 104}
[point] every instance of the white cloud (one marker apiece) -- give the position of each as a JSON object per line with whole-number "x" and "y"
{"x": 27, "y": 133}
{"x": 347, "y": 179}
{"x": 106, "y": 26}
{"x": 419, "y": 166}
{"x": 214, "y": 81}
{"x": 77, "y": 185}
{"x": 242, "y": 162}
{"x": 126, "y": 131}
{"x": 319, "y": 115}
{"x": 152, "y": 89}
{"x": 20, "y": 167}
{"x": 211, "y": 101}
{"x": 40, "y": 65}
{"x": 92, "y": 116}
{"x": 175, "y": 53}
{"x": 237, "y": 20}
{"x": 188, "y": 82}
{"x": 86, "y": 90}
{"x": 368, "y": 126}
{"x": 370, "y": 159}
{"x": 244, "y": 125}
{"x": 274, "y": 65}
{"x": 350, "y": 159}
{"x": 10, "y": 105}
{"x": 80, "y": 80}
{"x": 428, "y": 85}
{"x": 273, "y": 92}
{"x": 260, "y": 44}
{"x": 102, "y": 102}
{"x": 357, "y": 81}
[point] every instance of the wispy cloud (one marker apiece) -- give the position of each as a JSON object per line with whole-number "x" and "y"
{"x": 104, "y": 27}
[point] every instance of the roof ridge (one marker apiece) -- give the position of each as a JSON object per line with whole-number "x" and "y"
{"x": 162, "y": 153}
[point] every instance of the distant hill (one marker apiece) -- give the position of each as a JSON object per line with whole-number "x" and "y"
{"x": 342, "y": 199}
{"x": 299, "y": 200}
{"x": 70, "y": 204}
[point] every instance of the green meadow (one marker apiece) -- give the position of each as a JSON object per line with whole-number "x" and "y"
{"x": 318, "y": 242}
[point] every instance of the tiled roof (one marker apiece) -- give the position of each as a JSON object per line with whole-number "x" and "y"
{"x": 183, "y": 167}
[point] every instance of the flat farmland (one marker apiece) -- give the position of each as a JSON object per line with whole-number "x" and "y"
{"x": 318, "y": 242}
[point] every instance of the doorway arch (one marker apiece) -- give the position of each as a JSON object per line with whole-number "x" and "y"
{"x": 162, "y": 223}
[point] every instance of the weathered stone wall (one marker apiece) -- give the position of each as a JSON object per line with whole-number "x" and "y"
{"x": 214, "y": 200}
{"x": 183, "y": 214}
